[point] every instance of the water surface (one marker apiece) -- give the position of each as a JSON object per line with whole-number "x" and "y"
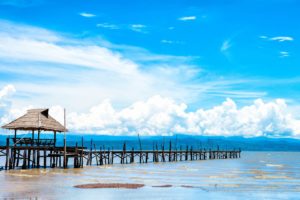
{"x": 257, "y": 175}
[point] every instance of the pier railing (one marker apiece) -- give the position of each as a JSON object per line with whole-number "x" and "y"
{"x": 32, "y": 142}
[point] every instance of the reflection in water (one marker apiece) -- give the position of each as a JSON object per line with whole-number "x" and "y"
{"x": 271, "y": 175}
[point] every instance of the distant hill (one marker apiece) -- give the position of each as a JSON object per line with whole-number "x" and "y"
{"x": 246, "y": 144}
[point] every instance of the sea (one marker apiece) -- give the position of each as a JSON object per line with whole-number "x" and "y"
{"x": 256, "y": 175}
{"x": 269, "y": 168}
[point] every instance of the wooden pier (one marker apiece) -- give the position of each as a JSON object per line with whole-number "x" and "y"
{"x": 26, "y": 157}
{"x": 30, "y": 152}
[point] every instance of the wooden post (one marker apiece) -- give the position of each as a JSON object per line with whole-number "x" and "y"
{"x": 33, "y": 158}
{"x": 7, "y": 153}
{"x": 39, "y": 137}
{"x": 170, "y": 151}
{"x": 65, "y": 142}
{"x": 81, "y": 153}
{"x": 146, "y": 157}
{"x": 45, "y": 158}
{"x": 163, "y": 153}
{"x": 54, "y": 138}
{"x": 132, "y": 156}
{"x": 180, "y": 153}
{"x": 101, "y": 156}
{"x": 65, "y": 154}
{"x": 29, "y": 156}
{"x": 38, "y": 158}
{"x": 24, "y": 159}
{"x": 186, "y": 152}
{"x": 18, "y": 158}
{"x": 112, "y": 156}
{"x": 95, "y": 154}
{"x": 15, "y": 134}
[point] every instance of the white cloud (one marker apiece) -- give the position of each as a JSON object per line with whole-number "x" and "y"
{"x": 50, "y": 68}
{"x": 171, "y": 42}
{"x": 138, "y": 28}
{"x": 44, "y": 60}
{"x": 284, "y": 54}
{"x": 263, "y": 37}
{"x": 6, "y": 91}
{"x": 45, "y": 47}
{"x": 225, "y": 45}
{"x": 108, "y": 26}
{"x": 5, "y": 103}
{"x": 88, "y": 15}
{"x": 187, "y": 18}
{"x": 164, "y": 116}
{"x": 282, "y": 38}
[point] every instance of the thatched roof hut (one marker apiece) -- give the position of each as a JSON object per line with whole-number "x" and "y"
{"x": 36, "y": 120}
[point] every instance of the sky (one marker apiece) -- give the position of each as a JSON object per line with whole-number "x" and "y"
{"x": 154, "y": 67}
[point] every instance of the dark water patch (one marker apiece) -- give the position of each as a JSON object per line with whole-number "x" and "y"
{"x": 110, "y": 185}
{"x": 162, "y": 186}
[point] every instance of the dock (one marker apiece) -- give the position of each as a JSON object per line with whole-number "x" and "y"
{"x": 26, "y": 157}
{"x": 31, "y": 152}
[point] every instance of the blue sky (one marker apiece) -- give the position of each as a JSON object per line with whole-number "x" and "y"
{"x": 200, "y": 53}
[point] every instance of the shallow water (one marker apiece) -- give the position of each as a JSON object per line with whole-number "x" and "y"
{"x": 257, "y": 175}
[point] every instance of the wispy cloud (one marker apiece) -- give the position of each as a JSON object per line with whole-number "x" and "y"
{"x": 138, "y": 28}
{"x": 108, "y": 26}
{"x": 225, "y": 46}
{"x": 263, "y": 37}
{"x": 282, "y": 38}
{"x": 277, "y": 38}
{"x": 54, "y": 60}
{"x": 284, "y": 54}
{"x": 187, "y": 18}
{"x": 21, "y": 3}
{"x": 171, "y": 42}
{"x": 88, "y": 15}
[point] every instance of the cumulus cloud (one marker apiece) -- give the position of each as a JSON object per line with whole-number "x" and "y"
{"x": 187, "y": 18}
{"x": 5, "y": 103}
{"x": 164, "y": 116}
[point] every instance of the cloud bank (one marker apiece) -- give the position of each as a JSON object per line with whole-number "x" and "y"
{"x": 164, "y": 116}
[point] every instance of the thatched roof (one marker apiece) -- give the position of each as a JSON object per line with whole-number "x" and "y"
{"x": 36, "y": 119}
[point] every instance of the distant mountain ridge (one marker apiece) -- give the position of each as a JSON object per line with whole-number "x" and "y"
{"x": 207, "y": 142}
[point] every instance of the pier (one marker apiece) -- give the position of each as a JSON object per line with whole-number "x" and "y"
{"x": 25, "y": 157}
{"x": 31, "y": 152}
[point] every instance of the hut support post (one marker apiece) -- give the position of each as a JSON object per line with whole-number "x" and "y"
{"x": 54, "y": 138}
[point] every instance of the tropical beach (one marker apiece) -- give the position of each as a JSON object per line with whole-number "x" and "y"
{"x": 173, "y": 99}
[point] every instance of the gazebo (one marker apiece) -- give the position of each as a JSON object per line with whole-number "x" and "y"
{"x": 35, "y": 120}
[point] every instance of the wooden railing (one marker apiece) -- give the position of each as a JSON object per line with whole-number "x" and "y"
{"x": 33, "y": 142}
